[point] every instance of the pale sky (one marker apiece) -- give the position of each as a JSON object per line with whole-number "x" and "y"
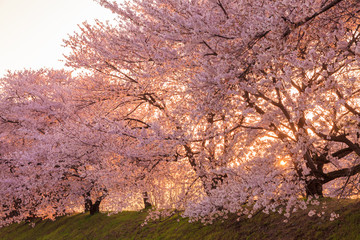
{"x": 31, "y": 31}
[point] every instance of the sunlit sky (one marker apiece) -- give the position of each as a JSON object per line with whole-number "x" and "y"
{"x": 31, "y": 31}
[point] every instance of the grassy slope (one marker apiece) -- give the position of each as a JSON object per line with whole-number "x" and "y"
{"x": 126, "y": 225}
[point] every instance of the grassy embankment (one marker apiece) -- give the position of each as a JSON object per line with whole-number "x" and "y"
{"x": 127, "y": 225}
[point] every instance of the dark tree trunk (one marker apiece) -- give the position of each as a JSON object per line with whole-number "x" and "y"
{"x": 314, "y": 187}
{"x": 92, "y": 207}
{"x": 147, "y": 203}
{"x": 316, "y": 164}
{"x": 95, "y": 208}
{"x": 88, "y": 204}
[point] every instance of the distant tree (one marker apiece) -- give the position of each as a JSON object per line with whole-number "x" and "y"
{"x": 50, "y": 159}
{"x": 31, "y": 106}
{"x": 58, "y": 151}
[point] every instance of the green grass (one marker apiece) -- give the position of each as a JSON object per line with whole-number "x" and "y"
{"x": 127, "y": 225}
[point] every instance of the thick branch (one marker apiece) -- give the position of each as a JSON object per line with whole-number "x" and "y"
{"x": 324, "y": 9}
{"x": 346, "y": 172}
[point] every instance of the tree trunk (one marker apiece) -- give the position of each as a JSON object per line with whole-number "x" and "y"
{"x": 147, "y": 203}
{"x": 95, "y": 208}
{"x": 88, "y": 204}
{"x": 92, "y": 207}
{"x": 314, "y": 187}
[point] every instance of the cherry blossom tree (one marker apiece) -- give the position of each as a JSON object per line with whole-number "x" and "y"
{"x": 51, "y": 161}
{"x": 30, "y": 106}
{"x": 59, "y": 151}
{"x": 241, "y": 83}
